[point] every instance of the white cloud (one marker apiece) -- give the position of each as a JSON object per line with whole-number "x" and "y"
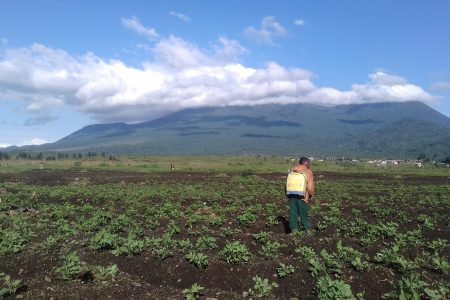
{"x": 299, "y": 22}
{"x": 178, "y": 53}
{"x": 391, "y": 88}
{"x": 180, "y": 16}
{"x": 34, "y": 141}
{"x": 228, "y": 50}
{"x": 269, "y": 30}
{"x": 180, "y": 75}
{"x": 4, "y": 145}
{"x": 135, "y": 25}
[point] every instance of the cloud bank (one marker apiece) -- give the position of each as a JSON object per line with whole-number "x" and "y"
{"x": 179, "y": 75}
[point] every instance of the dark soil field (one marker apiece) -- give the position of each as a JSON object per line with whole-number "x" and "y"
{"x": 86, "y": 234}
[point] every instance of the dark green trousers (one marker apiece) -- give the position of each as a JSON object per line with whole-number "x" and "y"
{"x": 298, "y": 208}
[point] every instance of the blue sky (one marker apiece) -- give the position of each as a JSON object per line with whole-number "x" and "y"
{"x": 67, "y": 64}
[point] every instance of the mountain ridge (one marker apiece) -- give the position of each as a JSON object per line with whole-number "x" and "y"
{"x": 376, "y": 129}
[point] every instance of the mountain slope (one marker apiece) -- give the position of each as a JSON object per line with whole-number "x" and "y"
{"x": 409, "y": 136}
{"x": 353, "y": 130}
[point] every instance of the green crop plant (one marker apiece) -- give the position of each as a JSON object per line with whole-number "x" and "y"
{"x": 105, "y": 273}
{"x": 228, "y": 231}
{"x": 377, "y": 231}
{"x": 413, "y": 287}
{"x": 62, "y": 212}
{"x": 98, "y": 221}
{"x": 11, "y": 241}
{"x": 173, "y": 228}
{"x": 271, "y": 249}
{"x": 329, "y": 289}
{"x": 440, "y": 264}
{"x": 216, "y": 221}
{"x": 437, "y": 246}
{"x": 426, "y": 221}
{"x": 391, "y": 257}
{"x": 161, "y": 247}
{"x": 8, "y": 286}
{"x": 284, "y": 270}
{"x": 194, "y": 292}
{"x": 352, "y": 257}
{"x": 198, "y": 259}
{"x": 271, "y": 209}
{"x": 129, "y": 246}
{"x": 72, "y": 267}
{"x": 65, "y": 230}
{"x": 262, "y": 237}
{"x": 104, "y": 240}
{"x": 192, "y": 221}
{"x": 271, "y": 221}
{"x": 15, "y": 232}
{"x": 51, "y": 241}
{"x": 410, "y": 238}
{"x": 306, "y": 253}
{"x": 235, "y": 253}
{"x": 356, "y": 212}
{"x": 184, "y": 245}
{"x": 152, "y": 223}
{"x": 121, "y": 223}
{"x": 316, "y": 267}
{"x": 246, "y": 218}
{"x": 332, "y": 264}
{"x": 162, "y": 253}
{"x": 205, "y": 243}
{"x": 355, "y": 227}
{"x": 167, "y": 241}
{"x": 262, "y": 287}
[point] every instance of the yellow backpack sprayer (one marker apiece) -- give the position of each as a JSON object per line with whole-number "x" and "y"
{"x": 296, "y": 184}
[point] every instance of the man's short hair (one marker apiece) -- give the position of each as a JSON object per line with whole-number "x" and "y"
{"x": 303, "y": 160}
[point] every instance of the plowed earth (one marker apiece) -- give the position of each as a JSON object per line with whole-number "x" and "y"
{"x": 155, "y": 203}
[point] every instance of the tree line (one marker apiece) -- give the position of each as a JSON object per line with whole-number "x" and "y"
{"x": 59, "y": 155}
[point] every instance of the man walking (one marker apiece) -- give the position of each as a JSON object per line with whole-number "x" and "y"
{"x": 298, "y": 202}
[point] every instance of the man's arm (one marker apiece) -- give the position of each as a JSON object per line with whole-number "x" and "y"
{"x": 310, "y": 184}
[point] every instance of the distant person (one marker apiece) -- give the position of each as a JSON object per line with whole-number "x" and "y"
{"x": 299, "y": 190}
